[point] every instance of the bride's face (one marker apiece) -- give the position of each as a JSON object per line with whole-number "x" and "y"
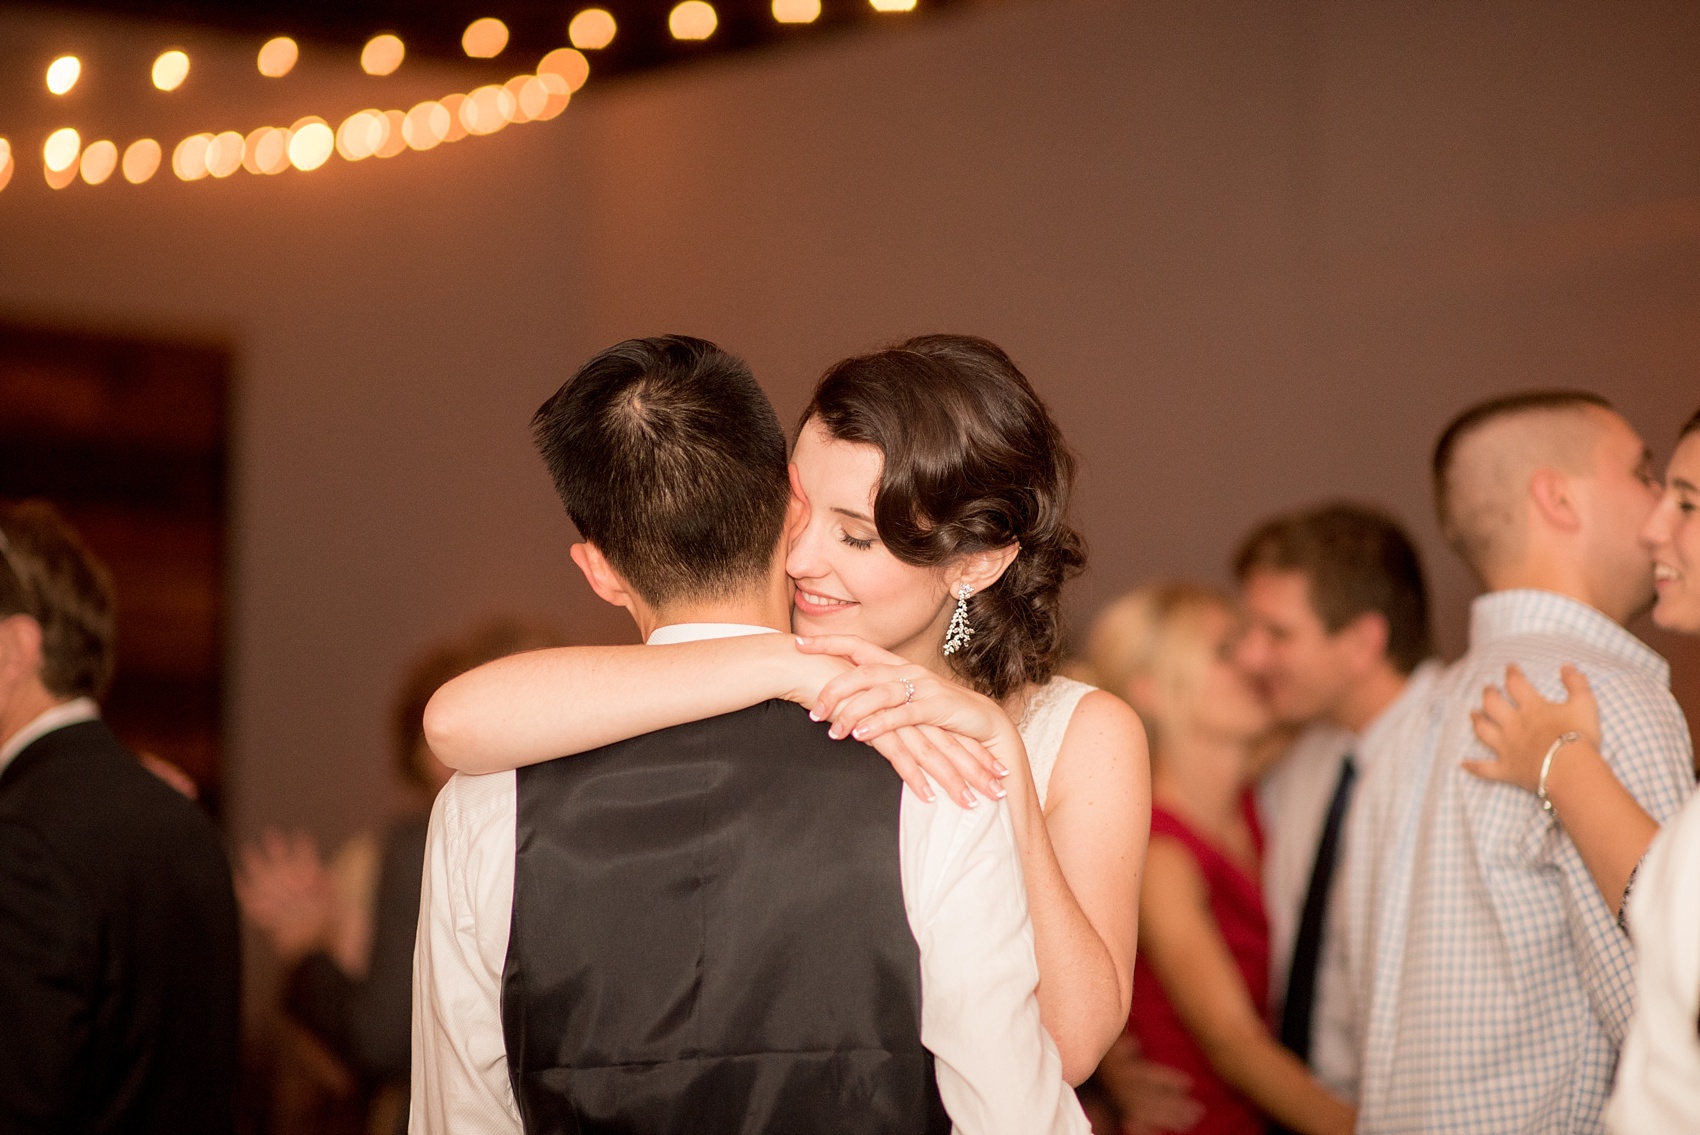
{"x": 847, "y": 582}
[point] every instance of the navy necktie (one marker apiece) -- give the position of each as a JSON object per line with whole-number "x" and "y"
{"x": 1307, "y": 948}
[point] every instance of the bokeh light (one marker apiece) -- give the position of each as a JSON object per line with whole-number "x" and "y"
{"x": 893, "y": 5}
{"x": 485, "y": 38}
{"x": 592, "y": 29}
{"x": 452, "y": 104}
{"x": 486, "y": 110}
{"x": 394, "y": 142}
{"x": 559, "y": 95}
{"x": 425, "y": 126}
{"x": 568, "y": 64}
{"x": 694, "y": 19}
{"x": 278, "y": 56}
{"x": 311, "y": 143}
{"x": 189, "y": 159}
{"x": 141, "y": 160}
{"x": 516, "y": 87}
{"x": 360, "y": 135}
{"x": 6, "y": 163}
{"x": 796, "y": 11}
{"x": 271, "y": 152}
{"x": 261, "y": 144}
{"x": 99, "y": 160}
{"x": 61, "y": 149}
{"x": 382, "y": 54}
{"x": 62, "y": 73}
{"x": 224, "y": 153}
{"x": 60, "y": 178}
{"x": 170, "y": 69}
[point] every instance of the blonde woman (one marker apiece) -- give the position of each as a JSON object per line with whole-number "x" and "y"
{"x": 1202, "y": 975}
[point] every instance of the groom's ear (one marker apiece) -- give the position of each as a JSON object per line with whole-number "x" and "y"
{"x": 608, "y": 584}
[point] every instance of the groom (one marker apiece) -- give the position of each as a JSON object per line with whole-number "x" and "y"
{"x": 735, "y": 925}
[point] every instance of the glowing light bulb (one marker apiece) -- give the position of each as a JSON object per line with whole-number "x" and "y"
{"x": 487, "y": 110}
{"x": 6, "y": 163}
{"x": 278, "y": 56}
{"x": 60, "y": 151}
{"x": 457, "y": 128}
{"x": 358, "y": 136}
{"x": 516, "y": 87}
{"x": 694, "y": 19}
{"x": 568, "y": 64}
{"x": 60, "y": 178}
{"x": 558, "y": 95}
{"x": 394, "y": 140}
{"x": 63, "y": 73}
{"x": 189, "y": 159}
{"x": 170, "y": 69}
{"x": 382, "y": 54}
{"x": 311, "y": 143}
{"x": 99, "y": 160}
{"x": 425, "y": 126}
{"x": 796, "y": 11}
{"x": 592, "y": 29}
{"x": 893, "y": 5}
{"x": 224, "y": 153}
{"x": 485, "y": 38}
{"x": 141, "y": 160}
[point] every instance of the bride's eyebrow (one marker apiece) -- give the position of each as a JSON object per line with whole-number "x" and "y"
{"x": 853, "y": 515}
{"x": 1683, "y": 485}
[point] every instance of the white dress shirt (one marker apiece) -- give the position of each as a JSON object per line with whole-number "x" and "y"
{"x": 74, "y": 712}
{"x": 1658, "y": 1079}
{"x": 997, "y": 1069}
{"x": 1490, "y": 981}
{"x": 1293, "y": 800}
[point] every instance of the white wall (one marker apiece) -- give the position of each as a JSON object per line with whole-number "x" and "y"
{"x": 1253, "y": 255}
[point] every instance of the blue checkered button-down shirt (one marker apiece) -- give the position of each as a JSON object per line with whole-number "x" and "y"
{"x": 1492, "y": 987}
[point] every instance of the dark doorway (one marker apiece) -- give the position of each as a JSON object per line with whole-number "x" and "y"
{"x": 127, "y": 437}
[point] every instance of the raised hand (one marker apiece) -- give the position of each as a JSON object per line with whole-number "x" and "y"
{"x": 286, "y": 890}
{"x": 1520, "y": 726}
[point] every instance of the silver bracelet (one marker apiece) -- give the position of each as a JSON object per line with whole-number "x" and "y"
{"x": 1546, "y": 767}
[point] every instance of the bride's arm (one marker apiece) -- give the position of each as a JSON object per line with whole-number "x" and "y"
{"x": 1081, "y": 856}
{"x": 533, "y": 707}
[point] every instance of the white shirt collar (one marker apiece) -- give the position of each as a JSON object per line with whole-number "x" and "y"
{"x": 696, "y": 632}
{"x": 74, "y": 712}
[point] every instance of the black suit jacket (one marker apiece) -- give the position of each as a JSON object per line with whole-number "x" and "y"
{"x": 118, "y": 947}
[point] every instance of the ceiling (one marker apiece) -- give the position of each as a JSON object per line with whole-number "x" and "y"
{"x": 434, "y": 27}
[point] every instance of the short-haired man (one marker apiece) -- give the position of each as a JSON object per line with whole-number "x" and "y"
{"x": 1492, "y": 984}
{"x": 118, "y": 940}
{"x": 734, "y": 925}
{"x": 1337, "y": 637}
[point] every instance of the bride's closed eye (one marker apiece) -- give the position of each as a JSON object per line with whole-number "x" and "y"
{"x": 860, "y": 545}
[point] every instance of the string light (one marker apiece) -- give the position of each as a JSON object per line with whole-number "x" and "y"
{"x": 382, "y": 54}
{"x": 394, "y": 141}
{"x": 695, "y": 20}
{"x": 796, "y": 11}
{"x": 62, "y": 73}
{"x": 278, "y": 56}
{"x": 425, "y": 126}
{"x": 516, "y": 87}
{"x": 487, "y": 110}
{"x": 189, "y": 159}
{"x": 59, "y": 179}
{"x": 141, "y": 160}
{"x": 170, "y": 69}
{"x": 99, "y": 160}
{"x": 6, "y": 163}
{"x": 311, "y": 143}
{"x": 558, "y": 95}
{"x": 224, "y": 153}
{"x": 60, "y": 151}
{"x": 568, "y": 64}
{"x": 457, "y": 128}
{"x": 592, "y": 29}
{"x": 893, "y": 5}
{"x": 484, "y": 38}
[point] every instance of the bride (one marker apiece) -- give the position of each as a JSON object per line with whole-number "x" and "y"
{"x": 927, "y": 548}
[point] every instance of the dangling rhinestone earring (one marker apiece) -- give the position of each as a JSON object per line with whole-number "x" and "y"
{"x": 956, "y": 635}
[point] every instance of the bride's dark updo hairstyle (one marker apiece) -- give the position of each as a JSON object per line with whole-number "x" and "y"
{"x": 973, "y": 462}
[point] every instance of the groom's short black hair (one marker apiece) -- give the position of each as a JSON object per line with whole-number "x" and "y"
{"x": 671, "y": 461}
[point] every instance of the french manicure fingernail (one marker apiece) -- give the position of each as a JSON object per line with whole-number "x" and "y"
{"x": 859, "y": 732}
{"x": 1001, "y": 771}
{"x": 999, "y": 791}
{"x": 815, "y": 714}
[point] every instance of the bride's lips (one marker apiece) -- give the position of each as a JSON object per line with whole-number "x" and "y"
{"x": 814, "y": 603}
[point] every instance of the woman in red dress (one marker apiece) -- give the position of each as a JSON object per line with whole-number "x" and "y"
{"x": 1202, "y": 977}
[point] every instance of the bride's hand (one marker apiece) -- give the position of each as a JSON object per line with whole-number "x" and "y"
{"x": 1522, "y": 727}
{"x": 945, "y": 729}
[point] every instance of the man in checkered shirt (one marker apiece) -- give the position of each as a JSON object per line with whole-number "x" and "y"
{"x": 1492, "y": 985}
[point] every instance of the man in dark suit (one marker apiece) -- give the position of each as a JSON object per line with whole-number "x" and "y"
{"x": 118, "y": 940}
{"x": 736, "y": 925}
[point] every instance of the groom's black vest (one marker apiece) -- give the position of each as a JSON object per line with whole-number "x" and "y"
{"x": 709, "y": 936}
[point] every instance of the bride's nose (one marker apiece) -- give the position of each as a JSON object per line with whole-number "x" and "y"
{"x": 803, "y": 559}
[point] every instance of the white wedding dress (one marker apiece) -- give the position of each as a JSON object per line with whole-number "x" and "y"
{"x": 1043, "y": 725}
